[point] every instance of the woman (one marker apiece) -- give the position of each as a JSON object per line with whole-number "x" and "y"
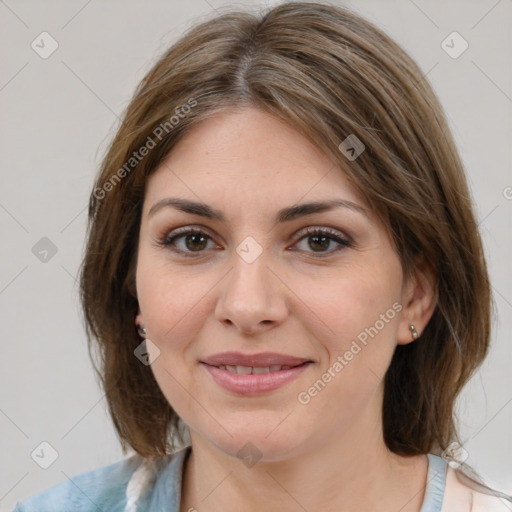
{"x": 284, "y": 279}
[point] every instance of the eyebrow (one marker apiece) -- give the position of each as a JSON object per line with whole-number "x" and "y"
{"x": 284, "y": 215}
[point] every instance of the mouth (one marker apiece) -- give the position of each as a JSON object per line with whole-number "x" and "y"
{"x": 251, "y": 370}
{"x": 258, "y": 360}
{"x": 254, "y": 374}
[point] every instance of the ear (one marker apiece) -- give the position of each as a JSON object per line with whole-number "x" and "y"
{"x": 419, "y": 299}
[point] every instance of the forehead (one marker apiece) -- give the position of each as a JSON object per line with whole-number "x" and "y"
{"x": 248, "y": 156}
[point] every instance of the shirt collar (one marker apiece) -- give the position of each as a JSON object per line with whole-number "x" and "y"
{"x": 436, "y": 482}
{"x": 166, "y": 494}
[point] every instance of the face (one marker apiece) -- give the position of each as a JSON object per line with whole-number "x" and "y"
{"x": 273, "y": 324}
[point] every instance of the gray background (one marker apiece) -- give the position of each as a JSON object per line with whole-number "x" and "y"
{"x": 56, "y": 119}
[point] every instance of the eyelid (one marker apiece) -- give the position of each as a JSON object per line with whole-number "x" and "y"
{"x": 186, "y": 229}
{"x": 324, "y": 228}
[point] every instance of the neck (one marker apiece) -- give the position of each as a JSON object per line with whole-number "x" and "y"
{"x": 353, "y": 472}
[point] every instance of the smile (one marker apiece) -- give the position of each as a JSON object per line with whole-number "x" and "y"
{"x": 248, "y": 370}
{"x": 252, "y": 380}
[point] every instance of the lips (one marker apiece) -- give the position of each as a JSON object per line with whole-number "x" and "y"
{"x": 254, "y": 374}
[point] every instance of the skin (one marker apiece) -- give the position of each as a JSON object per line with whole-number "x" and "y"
{"x": 296, "y": 298}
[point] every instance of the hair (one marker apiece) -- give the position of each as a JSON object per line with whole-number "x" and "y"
{"x": 330, "y": 74}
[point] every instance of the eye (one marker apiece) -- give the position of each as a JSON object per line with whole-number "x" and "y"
{"x": 320, "y": 239}
{"x": 188, "y": 241}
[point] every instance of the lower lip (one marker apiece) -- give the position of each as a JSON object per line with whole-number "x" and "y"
{"x": 254, "y": 384}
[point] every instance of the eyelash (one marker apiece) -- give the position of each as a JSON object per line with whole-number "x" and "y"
{"x": 331, "y": 234}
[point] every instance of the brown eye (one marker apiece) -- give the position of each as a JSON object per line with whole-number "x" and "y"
{"x": 188, "y": 241}
{"x": 319, "y": 241}
{"x": 196, "y": 242}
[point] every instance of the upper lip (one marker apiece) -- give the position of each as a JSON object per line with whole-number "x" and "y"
{"x": 261, "y": 359}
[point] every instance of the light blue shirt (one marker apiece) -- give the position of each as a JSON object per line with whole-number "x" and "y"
{"x": 104, "y": 489}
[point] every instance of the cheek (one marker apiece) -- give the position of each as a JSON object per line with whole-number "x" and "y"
{"x": 169, "y": 300}
{"x": 360, "y": 320}
{"x": 174, "y": 306}
{"x": 358, "y": 306}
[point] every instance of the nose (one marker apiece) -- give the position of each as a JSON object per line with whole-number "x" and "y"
{"x": 252, "y": 297}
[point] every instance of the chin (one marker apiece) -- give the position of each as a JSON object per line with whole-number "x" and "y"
{"x": 268, "y": 439}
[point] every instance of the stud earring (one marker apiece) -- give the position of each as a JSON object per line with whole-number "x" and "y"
{"x": 414, "y": 332}
{"x": 142, "y": 331}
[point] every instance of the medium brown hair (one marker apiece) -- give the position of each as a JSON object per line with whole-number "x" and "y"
{"x": 330, "y": 74}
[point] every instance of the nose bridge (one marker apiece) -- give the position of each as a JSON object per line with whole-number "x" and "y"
{"x": 251, "y": 296}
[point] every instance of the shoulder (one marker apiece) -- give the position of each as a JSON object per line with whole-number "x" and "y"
{"x": 464, "y": 492}
{"x": 103, "y": 488}
{"x": 129, "y": 485}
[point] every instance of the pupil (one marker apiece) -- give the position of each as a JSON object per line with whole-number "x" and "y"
{"x": 195, "y": 239}
{"x": 323, "y": 245}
